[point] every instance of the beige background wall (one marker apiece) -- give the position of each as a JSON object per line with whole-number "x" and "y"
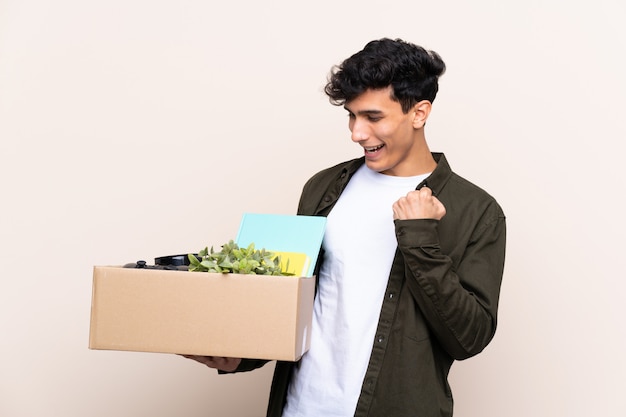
{"x": 133, "y": 129}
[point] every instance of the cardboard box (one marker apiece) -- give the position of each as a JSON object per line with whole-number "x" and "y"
{"x": 199, "y": 313}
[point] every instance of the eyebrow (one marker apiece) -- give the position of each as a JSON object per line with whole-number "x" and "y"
{"x": 364, "y": 112}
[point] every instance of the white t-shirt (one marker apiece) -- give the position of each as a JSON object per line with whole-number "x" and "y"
{"x": 359, "y": 244}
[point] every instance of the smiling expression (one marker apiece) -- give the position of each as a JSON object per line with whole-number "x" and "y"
{"x": 393, "y": 141}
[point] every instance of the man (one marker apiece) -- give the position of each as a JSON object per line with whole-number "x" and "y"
{"x": 412, "y": 259}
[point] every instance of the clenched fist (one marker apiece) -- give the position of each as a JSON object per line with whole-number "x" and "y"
{"x": 418, "y": 204}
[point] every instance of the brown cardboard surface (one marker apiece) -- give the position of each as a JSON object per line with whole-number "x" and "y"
{"x": 235, "y": 315}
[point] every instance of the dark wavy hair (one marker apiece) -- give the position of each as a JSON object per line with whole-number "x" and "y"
{"x": 411, "y": 71}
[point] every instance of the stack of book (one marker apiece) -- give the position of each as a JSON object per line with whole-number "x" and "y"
{"x": 297, "y": 239}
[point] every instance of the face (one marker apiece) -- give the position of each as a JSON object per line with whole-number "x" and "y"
{"x": 392, "y": 141}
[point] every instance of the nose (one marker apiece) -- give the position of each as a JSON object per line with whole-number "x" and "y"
{"x": 359, "y": 130}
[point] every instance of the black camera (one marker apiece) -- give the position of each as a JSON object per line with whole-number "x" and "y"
{"x": 170, "y": 262}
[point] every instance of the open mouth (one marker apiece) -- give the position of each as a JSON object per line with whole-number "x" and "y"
{"x": 373, "y": 149}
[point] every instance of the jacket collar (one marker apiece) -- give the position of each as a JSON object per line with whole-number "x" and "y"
{"x": 439, "y": 177}
{"x": 435, "y": 181}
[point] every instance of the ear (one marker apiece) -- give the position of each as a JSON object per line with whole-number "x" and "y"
{"x": 421, "y": 111}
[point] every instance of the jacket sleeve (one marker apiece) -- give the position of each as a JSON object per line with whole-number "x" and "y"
{"x": 458, "y": 299}
{"x": 247, "y": 365}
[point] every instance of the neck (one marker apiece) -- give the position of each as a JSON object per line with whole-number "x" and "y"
{"x": 425, "y": 163}
{"x": 423, "y": 160}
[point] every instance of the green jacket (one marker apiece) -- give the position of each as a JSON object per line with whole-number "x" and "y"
{"x": 441, "y": 299}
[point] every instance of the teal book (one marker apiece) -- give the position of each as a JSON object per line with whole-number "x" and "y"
{"x": 283, "y": 233}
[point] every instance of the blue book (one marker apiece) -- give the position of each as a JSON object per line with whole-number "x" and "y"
{"x": 283, "y": 233}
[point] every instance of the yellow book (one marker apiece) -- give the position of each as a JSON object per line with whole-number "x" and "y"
{"x": 298, "y": 262}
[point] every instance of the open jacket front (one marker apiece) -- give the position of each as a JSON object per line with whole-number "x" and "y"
{"x": 441, "y": 299}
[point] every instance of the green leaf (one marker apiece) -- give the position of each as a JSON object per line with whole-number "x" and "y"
{"x": 233, "y": 259}
{"x": 193, "y": 260}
